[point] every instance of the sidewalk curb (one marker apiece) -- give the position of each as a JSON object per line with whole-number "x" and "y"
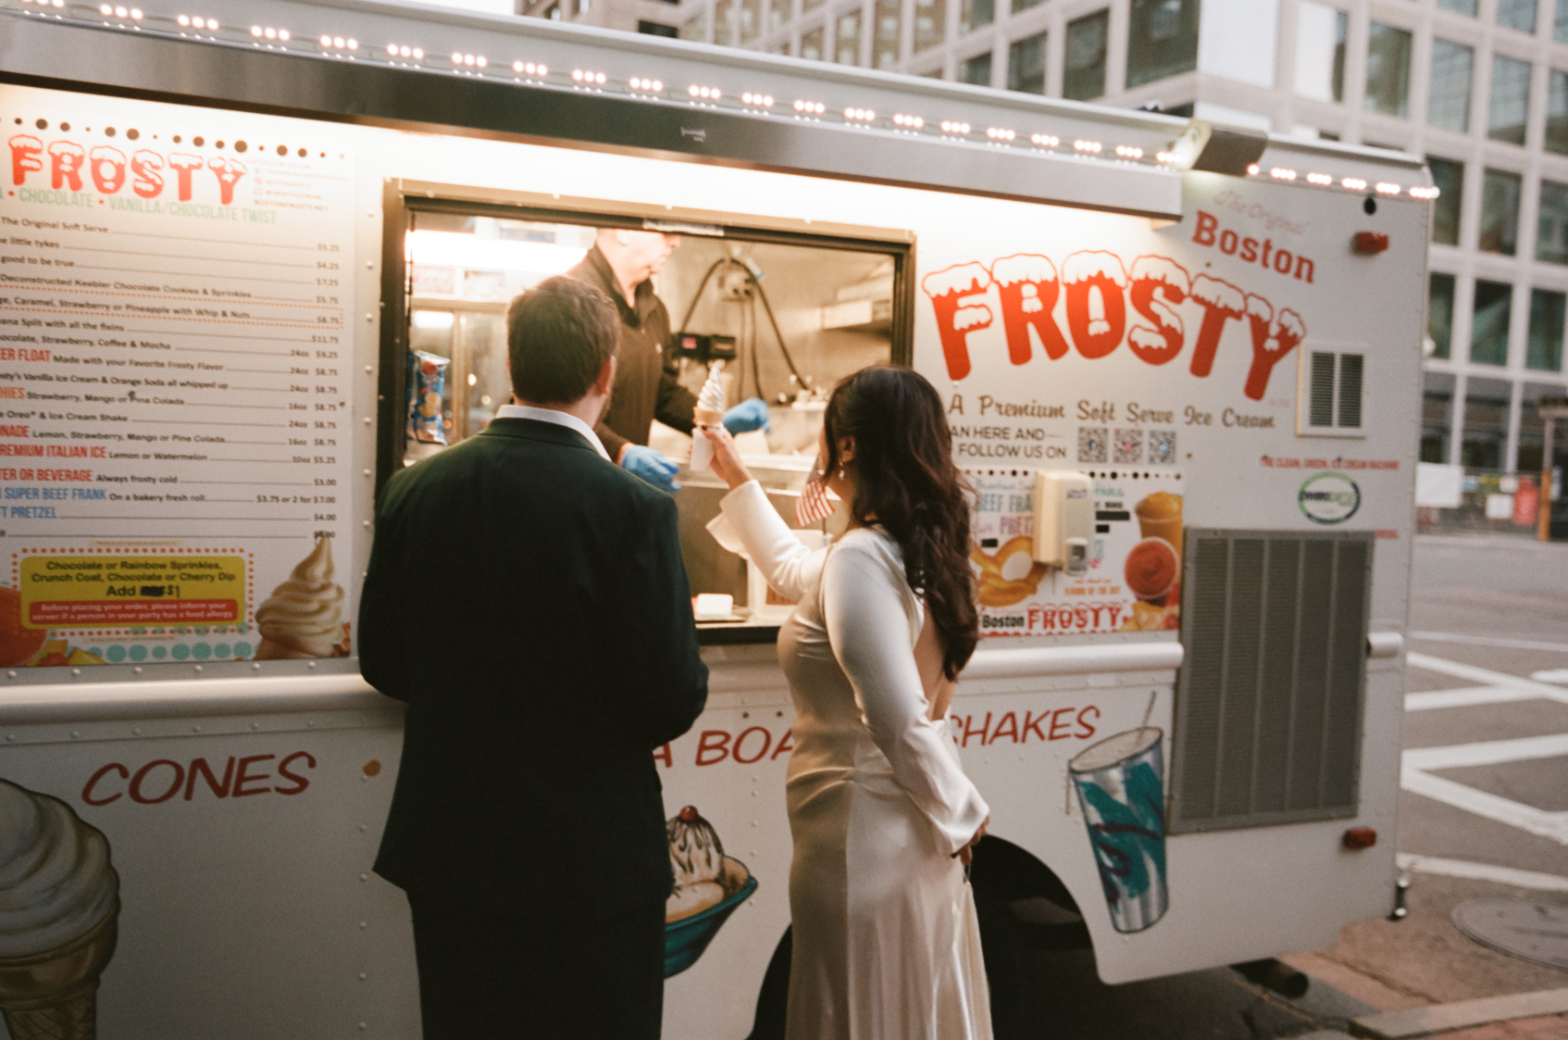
{"x": 1441, "y": 1018}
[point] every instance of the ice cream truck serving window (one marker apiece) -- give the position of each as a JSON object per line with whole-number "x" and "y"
{"x": 255, "y": 261}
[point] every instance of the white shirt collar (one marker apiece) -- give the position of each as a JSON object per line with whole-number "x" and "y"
{"x": 550, "y": 415}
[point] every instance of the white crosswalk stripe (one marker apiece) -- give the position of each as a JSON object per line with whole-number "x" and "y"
{"x": 1418, "y": 765}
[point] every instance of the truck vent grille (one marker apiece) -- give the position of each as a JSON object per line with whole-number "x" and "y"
{"x": 1333, "y": 388}
{"x": 1268, "y": 703}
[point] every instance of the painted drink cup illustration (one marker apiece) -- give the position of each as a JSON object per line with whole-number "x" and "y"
{"x": 1120, "y": 787}
{"x": 1159, "y": 516}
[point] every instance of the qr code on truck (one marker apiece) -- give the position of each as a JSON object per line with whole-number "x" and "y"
{"x": 1091, "y": 443}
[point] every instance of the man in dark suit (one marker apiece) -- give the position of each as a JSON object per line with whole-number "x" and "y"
{"x": 527, "y": 599}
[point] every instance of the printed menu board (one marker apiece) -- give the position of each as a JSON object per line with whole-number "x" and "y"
{"x": 174, "y": 385}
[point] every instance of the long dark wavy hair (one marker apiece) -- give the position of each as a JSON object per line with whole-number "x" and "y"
{"x": 905, "y": 480}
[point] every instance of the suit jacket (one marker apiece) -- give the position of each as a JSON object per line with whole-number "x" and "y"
{"x": 646, "y": 383}
{"x": 528, "y": 600}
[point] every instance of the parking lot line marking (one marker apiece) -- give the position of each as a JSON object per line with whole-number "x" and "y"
{"x": 1553, "y": 826}
{"x": 1482, "y": 872}
{"x": 1466, "y": 697}
{"x": 1428, "y": 663}
{"x": 1487, "y": 753}
{"x": 1511, "y": 644}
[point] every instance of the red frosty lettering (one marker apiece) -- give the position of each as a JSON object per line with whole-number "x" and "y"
{"x": 184, "y": 165}
{"x": 26, "y": 151}
{"x": 107, "y": 166}
{"x": 1221, "y": 302}
{"x": 1152, "y": 275}
{"x": 65, "y": 165}
{"x": 1028, "y": 287}
{"x": 1269, "y": 347}
{"x": 954, "y": 319}
{"x": 147, "y": 174}
{"x": 229, "y": 172}
{"x": 1096, "y": 309}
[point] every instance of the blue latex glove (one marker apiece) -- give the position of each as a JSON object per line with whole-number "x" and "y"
{"x": 747, "y": 416}
{"x": 652, "y": 466}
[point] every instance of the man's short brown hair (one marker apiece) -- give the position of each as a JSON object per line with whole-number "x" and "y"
{"x": 559, "y": 334}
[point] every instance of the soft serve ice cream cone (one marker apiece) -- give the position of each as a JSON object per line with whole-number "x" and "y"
{"x": 59, "y": 904}
{"x": 304, "y": 616}
{"x": 709, "y": 412}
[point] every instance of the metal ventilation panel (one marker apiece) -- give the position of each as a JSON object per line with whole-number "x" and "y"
{"x": 1269, "y": 700}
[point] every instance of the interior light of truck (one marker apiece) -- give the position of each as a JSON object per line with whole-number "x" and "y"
{"x": 810, "y": 108}
{"x": 1167, "y": 157}
{"x": 1322, "y": 179}
{"x": 952, "y": 127}
{"x": 1127, "y": 151}
{"x": 1279, "y": 173}
{"x": 529, "y": 68}
{"x": 705, "y": 93}
{"x": 997, "y": 133}
{"x": 1091, "y": 147}
{"x": 1424, "y": 193}
{"x": 589, "y": 78}
{"x": 912, "y": 122}
{"x": 1045, "y": 140}
{"x": 1354, "y": 184}
{"x": 859, "y": 115}
{"x": 765, "y": 100}
{"x": 1252, "y": 170}
{"x": 1387, "y": 188}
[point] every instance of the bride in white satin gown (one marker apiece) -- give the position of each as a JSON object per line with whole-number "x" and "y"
{"x": 886, "y": 943}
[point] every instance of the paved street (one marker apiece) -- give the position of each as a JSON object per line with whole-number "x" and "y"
{"x": 1484, "y": 815}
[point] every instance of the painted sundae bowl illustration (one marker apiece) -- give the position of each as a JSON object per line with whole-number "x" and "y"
{"x": 708, "y": 887}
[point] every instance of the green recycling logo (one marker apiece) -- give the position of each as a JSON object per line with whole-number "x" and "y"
{"x": 1329, "y": 498}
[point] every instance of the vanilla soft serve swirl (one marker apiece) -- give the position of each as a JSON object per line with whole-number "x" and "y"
{"x": 55, "y": 879}
{"x": 304, "y": 616}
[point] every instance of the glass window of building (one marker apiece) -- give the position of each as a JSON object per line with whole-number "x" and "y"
{"x": 1551, "y": 233}
{"x": 1544, "y": 345}
{"x": 1026, "y": 65}
{"x": 811, "y": 44}
{"x": 1516, "y": 14}
{"x": 976, "y": 70}
{"x": 1320, "y": 51}
{"x": 1462, "y": 6}
{"x": 846, "y": 38}
{"x": 1489, "y": 323}
{"x": 696, "y": 27}
{"x": 1557, "y": 112}
{"x": 1024, "y": 5}
{"x": 930, "y": 23}
{"x": 1388, "y": 70}
{"x": 974, "y": 14}
{"x": 811, "y": 5}
{"x": 1440, "y": 314}
{"x": 1435, "y": 425}
{"x": 1449, "y": 178}
{"x": 724, "y": 23}
{"x": 884, "y": 43}
{"x": 1499, "y": 213}
{"x": 1449, "y": 104}
{"x": 778, "y": 13}
{"x": 1083, "y": 77}
{"x": 1486, "y": 425}
{"x": 1162, "y": 40}
{"x": 1509, "y": 108}
{"x": 1560, "y": 22}
{"x": 750, "y": 20}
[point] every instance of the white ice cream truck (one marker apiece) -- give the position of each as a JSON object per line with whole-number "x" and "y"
{"x": 254, "y": 258}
